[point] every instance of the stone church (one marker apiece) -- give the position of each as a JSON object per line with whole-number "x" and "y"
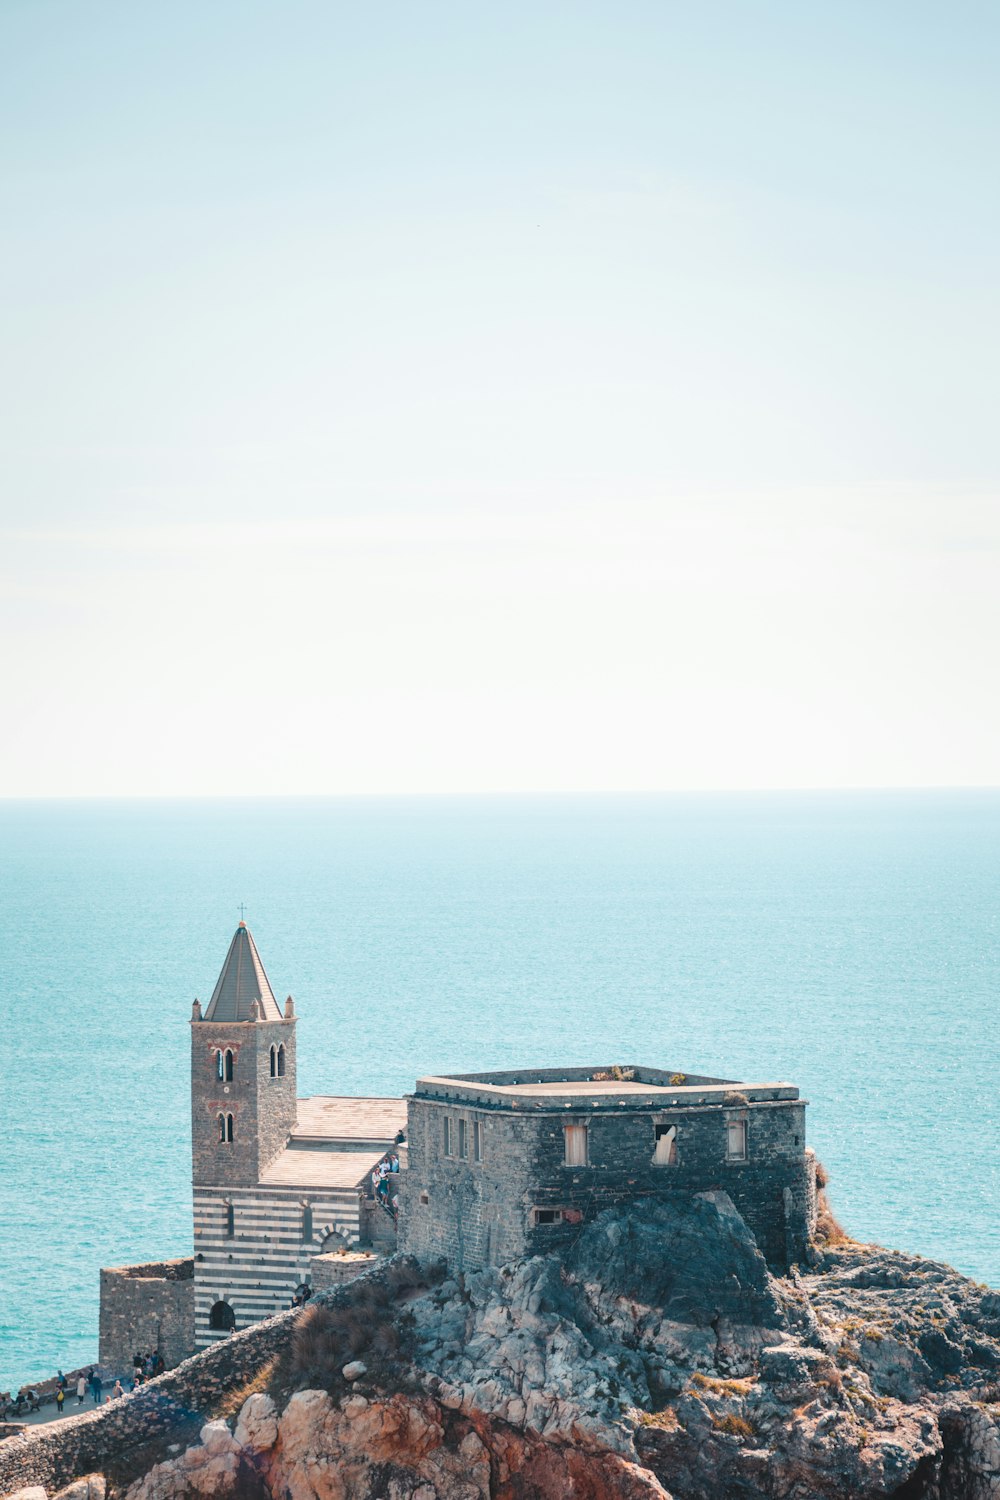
{"x": 277, "y": 1181}
{"x": 494, "y": 1166}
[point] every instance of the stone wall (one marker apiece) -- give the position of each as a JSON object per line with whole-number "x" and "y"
{"x": 172, "y": 1404}
{"x": 263, "y": 1108}
{"x": 258, "y": 1266}
{"x": 334, "y": 1270}
{"x": 146, "y": 1308}
{"x": 126, "y": 1437}
{"x": 492, "y": 1211}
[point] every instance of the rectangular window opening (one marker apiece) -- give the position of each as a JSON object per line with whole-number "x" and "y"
{"x": 548, "y": 1215}
{"x": 463, "y": 1139}
{"x": 737, "y": 1140}
{"x": 447, "y": 1136}
{"x": 576, "y": 1145}
{"x": 477, "y": 1140}
{"x": 665, "y": 1149}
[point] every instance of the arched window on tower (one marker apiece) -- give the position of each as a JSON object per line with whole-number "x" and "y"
{"x": 281, "y": 1061}
{"x": 222, "y": 1318}
{"x": 229, "y": 1127}
{"x": 222, "y": 1129}
{"x": 230, "y": 1063}
{"x": 220, "y": 1066}
{"x": 230, "y": 1220}
{"x": 307, "y": 1223}
{"x": 274, "y": 1062}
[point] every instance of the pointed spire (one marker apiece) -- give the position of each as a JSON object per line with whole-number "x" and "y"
{"x": 242, "y": 992}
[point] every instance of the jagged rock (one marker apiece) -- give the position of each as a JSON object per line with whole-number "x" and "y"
{"x": 209, "y": 1469}
{"x": 257, "y": 1425}
{"x": 658, "y": 1360}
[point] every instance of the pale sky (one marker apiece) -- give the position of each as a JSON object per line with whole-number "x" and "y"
{"x": 451, "y": 397}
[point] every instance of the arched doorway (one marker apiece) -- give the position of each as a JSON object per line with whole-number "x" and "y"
{"x": 222, "y": 1318}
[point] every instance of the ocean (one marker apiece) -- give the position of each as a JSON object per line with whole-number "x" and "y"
{"x": 847, "y": 942}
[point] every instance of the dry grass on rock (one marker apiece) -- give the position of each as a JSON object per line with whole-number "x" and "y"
{"x": 367, "y": 1322}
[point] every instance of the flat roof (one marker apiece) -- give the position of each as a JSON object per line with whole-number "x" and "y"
{"x": 321, "y": 1169}
{"x": 325, "y": 1117}
{"x": 600, "y": 1087}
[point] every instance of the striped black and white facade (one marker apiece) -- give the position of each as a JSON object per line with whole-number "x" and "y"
{"x": 254, "y": 1247}
{"x": 276, "y": 1179}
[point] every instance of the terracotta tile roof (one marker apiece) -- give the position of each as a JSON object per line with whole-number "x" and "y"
{"x": 241, "y": 982}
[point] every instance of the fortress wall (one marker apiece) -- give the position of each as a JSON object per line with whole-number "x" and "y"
{"x": 127, "y": 1436}
{"x": 147, "y": 1307}
{"x": 484, "y": 1213}
{"x": 472, "y": 1213}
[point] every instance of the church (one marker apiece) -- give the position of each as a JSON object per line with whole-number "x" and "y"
{"x": 276, "y": 1180}
{"x": 482, "y": 1169}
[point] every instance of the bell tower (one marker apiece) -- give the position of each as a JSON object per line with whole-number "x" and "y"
{"x": 243, "y": 1099}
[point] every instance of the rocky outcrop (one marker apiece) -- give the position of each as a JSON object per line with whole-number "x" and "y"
{"x": 658, "y": 1358}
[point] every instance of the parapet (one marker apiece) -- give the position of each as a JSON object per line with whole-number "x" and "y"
{"x": 615, "y": 1087}
{"x": 155, "y": 1270}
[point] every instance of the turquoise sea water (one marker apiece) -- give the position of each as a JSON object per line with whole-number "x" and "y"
{"x": 847, "y": 942}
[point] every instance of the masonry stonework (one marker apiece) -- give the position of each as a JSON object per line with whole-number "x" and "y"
{"x": 492, "y": 1167}
{"x": 261, "y": 1105}
{"x": 147, "y": 1308}
{"x": 491, "y": 1175}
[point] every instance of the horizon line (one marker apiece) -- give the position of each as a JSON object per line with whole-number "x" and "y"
{"x": 499, "y": 793}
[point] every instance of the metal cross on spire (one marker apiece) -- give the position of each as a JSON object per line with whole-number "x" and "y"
{"x": 243, "y": 911}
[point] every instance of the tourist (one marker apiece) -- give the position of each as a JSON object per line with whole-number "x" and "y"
{"x": 119, "y": 1389}
{"x": 95, "y": 1387}
{"x": 81, "y": 1390}
{"x": 60, "y": 1400}
{"x": 61, "y": 1380}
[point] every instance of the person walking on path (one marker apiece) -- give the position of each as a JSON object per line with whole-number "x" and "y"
{"x": 81, "y": 1390}
{"x": 60, "y": 1400}
{"x": 95, "y": 1387}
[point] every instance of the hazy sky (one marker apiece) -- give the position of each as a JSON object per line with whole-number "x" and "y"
{"x": 523, "y": 396}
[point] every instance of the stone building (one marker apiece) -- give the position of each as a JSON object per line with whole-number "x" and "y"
{"x": 147, "y": 1307}
{"x": 496, "y": 1166}
{"x": 503, "y": 1165}
{"x": 276, "y": 1179}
